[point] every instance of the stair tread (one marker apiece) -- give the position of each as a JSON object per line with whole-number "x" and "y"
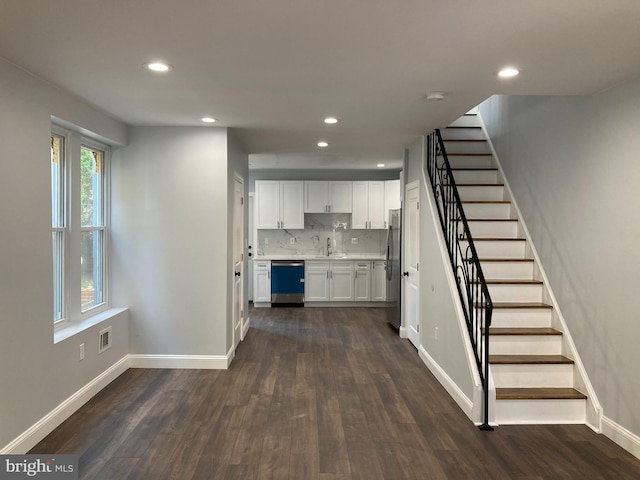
{"x": 506, "y": 260}
{"x": 464, "y": 140}
{"x": 462, "y": 126}
{"x": 525, "y": 331}
{"x": 475, "y": 184}
{"x": 487, "y": 169}
{"x": 496, "y": 239}
{"x": 484, "y": 202}
{"x": 509, "y": 281}
{"x": 468, "y": 154}
{"x": 529, "y": 359}
{"x": 516, "y": 305}
{"x": 539, "y": 393}
{"x": 486, "y": 219}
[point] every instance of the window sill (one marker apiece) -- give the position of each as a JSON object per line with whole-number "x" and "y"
{"x": 75, "y": 328}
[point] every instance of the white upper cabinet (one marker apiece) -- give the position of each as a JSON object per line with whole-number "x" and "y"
{"x": 327, "y": 197}
{"x": 368, "y": 205}
{"x": 279, "y": 204}
{"x": 391, "y": 198}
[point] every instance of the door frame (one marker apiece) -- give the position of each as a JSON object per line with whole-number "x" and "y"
{"x": 404, "y": 329}
{"x": 237, "y": 337}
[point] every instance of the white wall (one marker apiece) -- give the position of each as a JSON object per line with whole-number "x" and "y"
{"x": 170, "y": 224}
{"x": 572, "y": 163}
{"x": 437, "y": 307}
{"x": 36, "y": 375}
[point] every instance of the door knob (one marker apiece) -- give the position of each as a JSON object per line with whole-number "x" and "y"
{"x": 237, "y": 274}
{"x": 406, "y": 274}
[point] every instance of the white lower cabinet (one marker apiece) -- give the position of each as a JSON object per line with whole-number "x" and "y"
{"x": 362, "y": 281}
{"x": 261, "y": 281}
{"x": 341, "y": 281}
{"x": 379, "y": 281}
{"x": 316, "y": 281}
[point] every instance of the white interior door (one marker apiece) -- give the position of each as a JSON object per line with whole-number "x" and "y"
{"x": 251, "y": 248}
{"x": 411, "y": 273}
{"x": 238, "y": 258}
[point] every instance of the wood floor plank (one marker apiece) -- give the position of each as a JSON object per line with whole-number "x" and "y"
{"x": 320, "y": 394}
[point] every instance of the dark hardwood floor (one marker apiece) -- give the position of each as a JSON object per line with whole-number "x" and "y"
{"x": 315, "y": 393}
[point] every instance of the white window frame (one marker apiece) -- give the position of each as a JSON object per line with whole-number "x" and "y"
{"x": 71, "y": 262}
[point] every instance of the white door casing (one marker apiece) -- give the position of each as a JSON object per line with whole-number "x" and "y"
{"x": 411, "y": 275}
{"x": 238, "y": 258}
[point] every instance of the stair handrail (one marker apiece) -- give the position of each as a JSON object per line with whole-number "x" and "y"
{"x": 472, "y": 286}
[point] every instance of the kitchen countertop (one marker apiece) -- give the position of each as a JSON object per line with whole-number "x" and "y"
{"x": 356, "y": 256}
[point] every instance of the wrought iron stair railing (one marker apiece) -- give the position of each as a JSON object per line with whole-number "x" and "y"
{"x": 471, "y": 284}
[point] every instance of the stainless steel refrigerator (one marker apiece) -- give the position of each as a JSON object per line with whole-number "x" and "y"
{"x": 392, "y": 266}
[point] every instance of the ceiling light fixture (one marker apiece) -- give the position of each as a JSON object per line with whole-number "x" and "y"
{"x": 331, "y": 120}
{"x": 208, "y": 119}
{"x": 158, "y": 67}
{"x": 323, "y": 144}
{"x": 380, "y": 165}
{"x": 435, "y": 96}
{"x": 508, "y": 72}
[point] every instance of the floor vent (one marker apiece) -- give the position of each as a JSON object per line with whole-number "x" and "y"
{"x": 104, "y": 339}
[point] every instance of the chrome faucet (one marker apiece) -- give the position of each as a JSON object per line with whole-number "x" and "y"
{"x": 328, "y": 246}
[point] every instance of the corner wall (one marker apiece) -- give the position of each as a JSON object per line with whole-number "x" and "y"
{"x": 572, "y": 164}
{"x": 37, "y": 375}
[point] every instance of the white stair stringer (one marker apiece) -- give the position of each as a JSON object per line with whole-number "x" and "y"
{"x": 535, "y": 369}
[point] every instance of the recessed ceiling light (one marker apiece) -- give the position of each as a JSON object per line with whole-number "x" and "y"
{"x": 208, "y": 119}
{"x": 331, "y": 120}
{"x": 323, "y": 144}
{"x": 158, "y": 67}
{"x": 380, "y": 165}
{"x": 435, "y": 96}
{"x": 508, "y": 72}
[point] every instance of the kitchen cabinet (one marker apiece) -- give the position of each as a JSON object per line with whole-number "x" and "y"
{"x": 368, "y": 205}
{"x": 362, "y": 281}
{"x": 391, "y": 198}
{"x": 378, "y": 281}
{"x": 328, "y": 280}
{"x": 327, "y": 197}
{"x": 279, "y": 204}
{"x": 261, "y": 281}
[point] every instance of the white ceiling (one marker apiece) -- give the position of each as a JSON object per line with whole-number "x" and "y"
{"x": 273, "y": 69}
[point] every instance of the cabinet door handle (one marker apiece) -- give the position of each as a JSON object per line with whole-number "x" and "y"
{"x": 356, "y": 274}
{"x": 327, "y": 274}
{"x": 268, "y": 275}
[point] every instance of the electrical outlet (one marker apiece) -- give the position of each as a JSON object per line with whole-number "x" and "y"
{"x": 354, "y": 241}
{"x": 436, "y": 333}
{"x": 82, "y": 351}
{"x": 292, "y": 240}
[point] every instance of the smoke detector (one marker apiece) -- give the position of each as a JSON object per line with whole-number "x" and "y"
{"x": 435, "y": 96}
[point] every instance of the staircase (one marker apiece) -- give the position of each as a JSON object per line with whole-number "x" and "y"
{"x": 531, "y": 368}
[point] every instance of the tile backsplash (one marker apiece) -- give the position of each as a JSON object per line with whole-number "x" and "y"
{"x": 318, "y": 227}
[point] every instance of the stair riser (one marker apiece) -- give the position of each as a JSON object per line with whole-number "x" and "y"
{"x": 494, "y": 229}
{"x": 525, "y": 344}
{"x": 497, "y": 249}
{"x": 506, "y": 317}
{"x": 467, "y": 120}
{"x": 490, "y": 210}
{"x": 457, "y": 161}
{"x": 481, "y": 193}
{"x": 451, "y": 146}
{"x": 462, "y": 133}
{"x": 516, "y": 293}
{"x": 475, "y": 176}
{"x": 522, "y": 412}
{"x": 509, "y": 270}
{"x": 533, "y": 376}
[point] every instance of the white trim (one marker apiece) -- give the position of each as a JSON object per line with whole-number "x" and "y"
{"x": 620, "y": 435}
{"x": 449, "y": 385}
{"x": 53, "y": 419}
{"x": 245, "y": 327}
{"x": 594, "y": 412}
{"x": 199, "y": 362}
{"x": 402, "y": 332}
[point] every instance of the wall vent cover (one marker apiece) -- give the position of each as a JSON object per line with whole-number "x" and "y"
{"x": 104, "y": 339}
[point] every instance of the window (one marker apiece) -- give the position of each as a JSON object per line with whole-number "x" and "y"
{"x": 58, "y": 223}
{"x": 92, "y": 221}
{"x": 79, "y": 213}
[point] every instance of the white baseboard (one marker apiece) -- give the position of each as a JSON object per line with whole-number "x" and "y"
{"x": 620, "y": 435}
{"x": 245, "y": 327}
{"x": 445, "y": 380}
{"x": 200, "y": 362}
{"x": 402, "y": 331}
{"x": 43, "y": 427}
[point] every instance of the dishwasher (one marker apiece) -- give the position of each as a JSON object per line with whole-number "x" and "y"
{"x": 287, "y": 282}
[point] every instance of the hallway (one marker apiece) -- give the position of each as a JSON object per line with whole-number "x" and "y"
{"x": 315, "y": 393}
